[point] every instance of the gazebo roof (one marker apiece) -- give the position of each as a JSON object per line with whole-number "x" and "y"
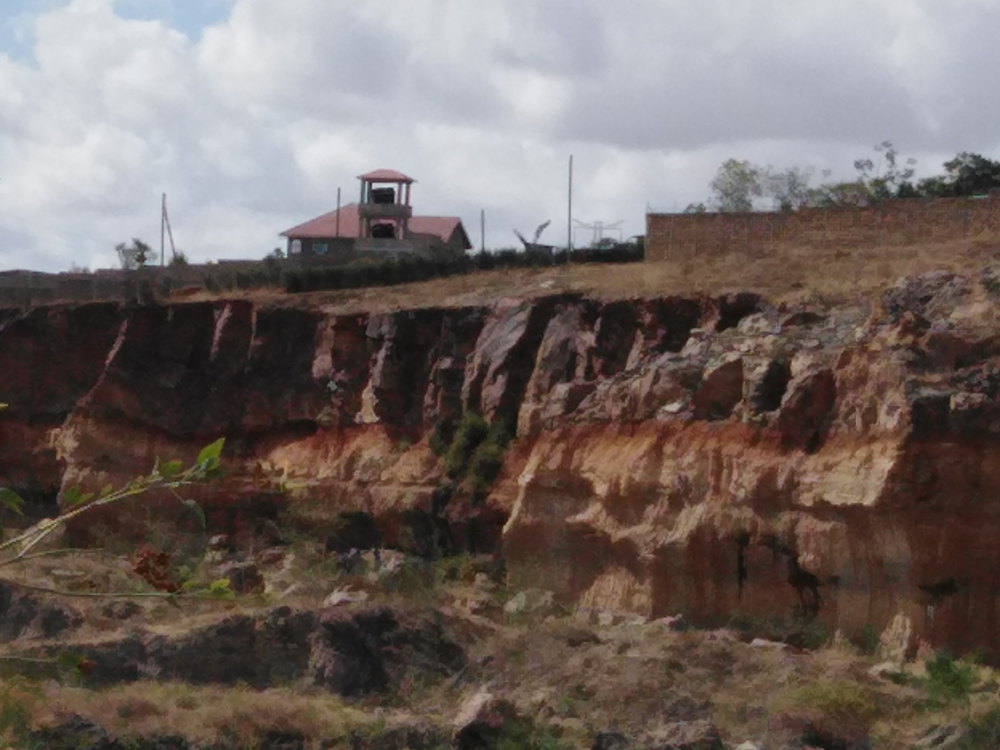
{"x": 386, "y": 175}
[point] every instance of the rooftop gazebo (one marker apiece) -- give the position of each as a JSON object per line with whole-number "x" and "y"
{"x": 385, "y": 212}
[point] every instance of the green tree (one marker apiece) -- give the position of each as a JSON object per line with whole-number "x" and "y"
{"x": 736, "y": 184}
{"x": 966, "y": 174}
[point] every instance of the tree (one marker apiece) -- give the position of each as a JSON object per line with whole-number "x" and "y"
{"x": 136, "y": 255}
{"x": 884, "y": 178}
{"x": 789, "y": 189}
{"x": 179, "y": 260}
{"x": 736, "y": 184}
{"x": 966, "y": 174}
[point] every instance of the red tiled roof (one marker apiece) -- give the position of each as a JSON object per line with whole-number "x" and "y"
{"x": 386, "y": 175}
{"x": 439, "y": 226}
{"x": 326, "y": 226}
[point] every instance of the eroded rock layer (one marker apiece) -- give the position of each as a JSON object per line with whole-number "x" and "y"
{"x": 711, "y": 456}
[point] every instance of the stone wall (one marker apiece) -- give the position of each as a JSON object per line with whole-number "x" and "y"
{"x": 899, "y": 222}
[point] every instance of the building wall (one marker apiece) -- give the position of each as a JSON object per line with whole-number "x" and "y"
{"x": 898, "y": 222}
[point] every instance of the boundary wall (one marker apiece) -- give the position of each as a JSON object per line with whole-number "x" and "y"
{"x": 908, "y": 221}
{"x": 28, "y": 288}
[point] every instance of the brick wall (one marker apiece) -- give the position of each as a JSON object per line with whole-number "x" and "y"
{"x": 898, "y": 222}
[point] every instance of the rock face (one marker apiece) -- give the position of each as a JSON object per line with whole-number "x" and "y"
{"x": 694, "y": 455}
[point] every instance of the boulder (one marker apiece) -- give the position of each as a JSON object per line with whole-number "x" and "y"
{"x": 244, "y": 577}
{"x": 721, "y": 389}
{"x": 369, "y": 649}
{"x": 806, "y": 411}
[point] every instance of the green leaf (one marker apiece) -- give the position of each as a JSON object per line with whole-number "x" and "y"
{"x": 3, "y": 406}
{"x": 107, "y": 490}
{"x": 171, "y": 469}
{"x": 193, "y": 506}
{"x": 11, "y": 501}
{"x": 210, "y": 454}
{"x": 69, "y": 661}
{"x": 74, "y": 497}
{"x": 220, "y": 589}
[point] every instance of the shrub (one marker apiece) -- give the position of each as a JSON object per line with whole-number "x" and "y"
{"x": 471, "y": 431}
{"x": 485, "y": 465}
{"x": 407, "y": 269}
{"x": 949, "y": 681}
{"x": 441, "y": 437}
{"x": 841, "y": 706}
{"x": 868, "y": 640}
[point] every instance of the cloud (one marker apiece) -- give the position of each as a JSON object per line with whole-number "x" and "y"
{"x": 252, "y": 114}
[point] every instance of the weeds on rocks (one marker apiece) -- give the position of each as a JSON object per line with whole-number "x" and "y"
{"x": 948, "y": 681}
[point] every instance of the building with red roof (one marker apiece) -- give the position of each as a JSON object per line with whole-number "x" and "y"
{"x": 381, "y": 222}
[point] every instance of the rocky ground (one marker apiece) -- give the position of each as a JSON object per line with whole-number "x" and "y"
{"x": 317, "y": 649}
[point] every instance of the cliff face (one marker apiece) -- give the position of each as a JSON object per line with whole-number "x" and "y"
{"x": 711, "y": 456}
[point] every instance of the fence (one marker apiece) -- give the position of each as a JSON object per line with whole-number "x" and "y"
{"x": 897, "y": 222}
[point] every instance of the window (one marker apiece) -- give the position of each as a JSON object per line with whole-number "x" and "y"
{"x": 296, "y": 247}
{"x": 320, "y": 248}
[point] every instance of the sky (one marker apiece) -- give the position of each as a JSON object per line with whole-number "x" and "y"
{"x": 250, "y": 114}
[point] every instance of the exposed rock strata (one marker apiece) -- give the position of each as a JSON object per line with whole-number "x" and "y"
{"x": 697, "y": 455}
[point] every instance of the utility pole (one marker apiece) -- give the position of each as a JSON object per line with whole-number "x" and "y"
{"x": 163, "y": 223}
{"x": 569, "y": 219}
{"x": 482, "y": 230}
{"x": 338, "y": 212}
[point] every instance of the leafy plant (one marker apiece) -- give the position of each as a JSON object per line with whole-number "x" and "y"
{"x": 485, "y": 465}
{"x": 949, "y": 681}
{"x": 476, "y": 451}
{"x": 169, "y": 475}
{"x": 471, "y": 431}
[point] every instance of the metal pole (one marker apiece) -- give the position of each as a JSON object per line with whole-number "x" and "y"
{"x": 338, "y": 212}
{"x": 482, "y": 230}
{"x": 569, "y": 220}
{"x": 163, "y": 219}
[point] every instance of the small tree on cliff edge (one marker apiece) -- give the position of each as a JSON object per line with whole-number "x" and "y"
{"x": 136, "y": 255}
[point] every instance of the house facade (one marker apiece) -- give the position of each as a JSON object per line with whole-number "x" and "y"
{"x": 380, "y": 223}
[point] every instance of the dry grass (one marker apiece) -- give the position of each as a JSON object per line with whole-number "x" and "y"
{"x": 204, "y": 714}
{"x": 792, "y": 274}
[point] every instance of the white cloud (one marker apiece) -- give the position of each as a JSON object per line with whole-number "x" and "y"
{"x": 252, "y": 124}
